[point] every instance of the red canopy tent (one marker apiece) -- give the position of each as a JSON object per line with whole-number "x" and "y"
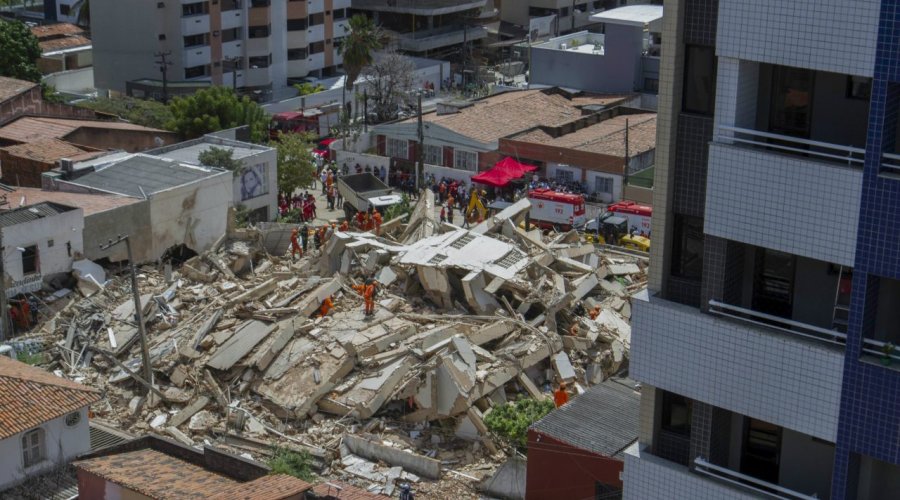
{"x": 502, "y": 172}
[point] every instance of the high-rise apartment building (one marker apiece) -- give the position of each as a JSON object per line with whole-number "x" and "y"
{"x": 254, "y": 45}
{"x": 764, "y": 345}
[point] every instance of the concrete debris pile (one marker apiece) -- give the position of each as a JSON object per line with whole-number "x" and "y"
{"x": 465, "y": 319}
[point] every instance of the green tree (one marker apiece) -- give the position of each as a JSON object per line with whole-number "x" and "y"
{"x": 307, "y": 88}
{"x": 510, "y": 422}
{"x": 148, "y": 113}
{"x": 83, "y": 8}
{"x": 214, "y": 109}
{"x": 296, "y": 163}
{"x": 292, "y": 463}
{"x": 356, "y": 49}
{"x": 19, "y": 52}
{"x": 222, "y": 158}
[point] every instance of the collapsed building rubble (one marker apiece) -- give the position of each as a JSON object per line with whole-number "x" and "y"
{"x": 465, "y": 319}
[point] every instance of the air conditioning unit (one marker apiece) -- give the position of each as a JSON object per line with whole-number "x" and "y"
{"x": 563, "y": 46}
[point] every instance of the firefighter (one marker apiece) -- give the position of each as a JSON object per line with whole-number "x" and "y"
{"x": 376, "y": 217}
{"x": 326, "y": 306}
{"x": 367, "y": 290}
{"x": 344, "y": 227}
{"x": 295, "y": 245}
{"x": 561, "y": 397}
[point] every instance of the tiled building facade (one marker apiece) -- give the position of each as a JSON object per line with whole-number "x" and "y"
{"x": 764, "y": 344}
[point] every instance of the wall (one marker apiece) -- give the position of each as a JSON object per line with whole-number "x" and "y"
{"x": 802, "y": 463}
{"x": 352, "y": 159}
{"x": 109, "y": 224}
{"x": 559, "y": 470}
{"x": 31, "y": 102}
{"x": 194, "y": 214}
{"x": 648, "y": 476}
{"x": 256, "y": 179}
{"x": 63, "y": 228}
{"x": 75, "y": 81}
{"x": 125, "y": 37}
{"x": 462, "y": 176}
{"x": 617, "y": 70}
{"x": 96, "y": 488}
{"x": 19, "y": 171}
{"x": 814, "y": 292}
{"x": 61, "y": 444}
{"x": 118, "y": 139}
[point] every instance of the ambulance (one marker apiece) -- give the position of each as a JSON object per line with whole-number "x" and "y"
{"x": 638, "y": 217}
{"x": 554, "y": 210}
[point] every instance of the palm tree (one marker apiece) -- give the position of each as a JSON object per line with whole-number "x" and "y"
{"x": 83, "y": 8}
{"x": 356, "y": 49}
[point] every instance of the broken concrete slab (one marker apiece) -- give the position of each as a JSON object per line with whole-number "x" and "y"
{"x": 372, "y": 450}
{"x": 366, "y": 397}
{"x": 240, "y": 344}
{"x": 563, "y": 367}
{"x": 478, "y": 299}
{"x": 188, "y": 411}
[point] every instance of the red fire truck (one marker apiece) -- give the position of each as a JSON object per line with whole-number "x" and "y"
{"x": 638, "y": 217}
{"x": 554, "y": 210}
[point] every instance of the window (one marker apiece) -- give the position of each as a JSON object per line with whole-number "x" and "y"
{"x": 317, "y": 47}
{"x": 258, "y": 32}
{"x": 260, "y": 61}
{"x": 651, "y": 84}
{"x": 161, "y": 37}
{"x": 564, "y": 12}
{"x": 196, "y": 71}
{"x": 338, "y": 42}
{"x": 259, "y": 3}
{"x": 317, "y": 19}
{"x": 340, "y": 14}
{"x": 230, "y": 5}
{"x": 231, "y": 35}
{"x": 687, "y": 248}
{"x": 72, "y": 419}
{"x": 195, "y": 40}
{"x": 859, "y": 87}
{"x": 603, "y": 185}
{"x": 296, "y": 24}
{"x": 397, "y": 148}
{"x": 296, "y": 54}
{"x": 33, "y": 447}
{"x": 565, "y": 175}
{"x": 699, "y": 93}
{"x": 30, "y": 260}
{"x": 64, "y": 9}
{"x": 676, "y": 414}
{"x": 465, "y": 160}
{"x": 434, "y": 155}
{"x": 194, "y": 9}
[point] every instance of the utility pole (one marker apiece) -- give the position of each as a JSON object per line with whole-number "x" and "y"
{"x": 366, "y": 110}
{"x": 530, "y": 69}
{"x": 4, "y": 316}
{"x": 232, "y": 62}
{"x": 138, "y": 310}
{"x": 420, "y": 165}
{"x": 164, "y": 69}
{"x": 625, "y": 171}
{"x": 573, "y": 16}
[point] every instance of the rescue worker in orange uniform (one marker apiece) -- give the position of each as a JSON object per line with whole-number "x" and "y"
{"x": 594, "y": 312}
{"x": 367, "y": 290}
{"x": 376, "y": 217}
{"x": 295, "y": 244}
{"x": 361, "y": 220}
{"x": 561, "y": 397}
{"x": 326, "y": 306}
{"x": 344, "y": 227}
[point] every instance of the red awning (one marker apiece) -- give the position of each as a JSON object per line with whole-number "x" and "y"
{"x": 326, "y": 142}
{"x": 503, "y": 172}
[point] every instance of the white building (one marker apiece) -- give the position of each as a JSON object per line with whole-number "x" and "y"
{"x": 187, "y": 204}
{"x": 43, "y": 421}
{"x": 263, "y": 44}
{"x": 39, "y": 241}
{"x": 255, "y": 187}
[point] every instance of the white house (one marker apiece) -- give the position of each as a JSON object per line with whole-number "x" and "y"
{"x": 43, "y": 421}
{"x": 255, "y": 187}
{"x": 39, "y": 241}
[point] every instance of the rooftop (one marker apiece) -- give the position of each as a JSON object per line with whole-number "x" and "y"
{"x": 189, "y": 151}
{"x": 28, "y": 213}
{"x": 141, "y": 174}
{"x": 342, "y": 491}
{"x": 52, "y": 37}
{"x": 50, "y": 150}
{"x": 604, "y": 420}
{"x": 631, "y": 15}
{"x": 487, "y": 120}
{"x": 419, "y": 7}
{"x": 30, "y": 396}
{"x": 33, "y": 128}
{"x": 90, "y": 203}
{"x": 606, "y": 137}
{"x": 11, "y": 87}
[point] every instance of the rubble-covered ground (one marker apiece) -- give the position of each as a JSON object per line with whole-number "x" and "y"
{"x": 464, "y": 320}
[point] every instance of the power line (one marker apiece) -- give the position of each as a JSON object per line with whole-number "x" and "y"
{"x": 164, "y": 64}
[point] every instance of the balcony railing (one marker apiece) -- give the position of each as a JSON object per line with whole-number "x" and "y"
{"x": 890, "y": 163}
{"x": 744, "y": 481}
{"x": 851, "y": 156}
{"x": 787, "y": 326}
{"x": 875, "y": 348}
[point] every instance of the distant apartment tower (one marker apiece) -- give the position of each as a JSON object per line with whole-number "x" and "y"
{"x": 775, "y": 267}
{"x": 570, "y": 16}
{"x": 428, "y": 27}
{"x": 256, "y": 46}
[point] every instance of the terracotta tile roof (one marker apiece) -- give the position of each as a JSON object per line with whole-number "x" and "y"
{"x": 489, "y": 119}
{"x": 50, "y": 150}
{"x": 60, "y": 36}
{"x": 30, "y": 396}
{"x": 11, "y": 87}
{"x": 156, "y": 474}
{"x": 606, "y": 137}
{"x": 90, "y": 203}
{"x": 57, "y": 29}
{"x": 327, "y": 490}
{"x": 275, "y": 487}
{"x": 32, "y": 128}
{"x": 66, "y": 42}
